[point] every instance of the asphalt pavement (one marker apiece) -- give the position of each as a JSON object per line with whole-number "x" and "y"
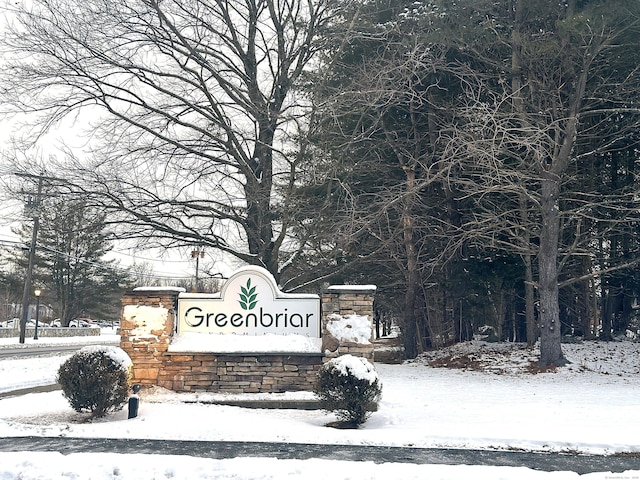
{"x": 550, "y": 462}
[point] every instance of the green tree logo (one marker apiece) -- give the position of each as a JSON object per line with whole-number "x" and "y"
{"x": 248, "y": 296}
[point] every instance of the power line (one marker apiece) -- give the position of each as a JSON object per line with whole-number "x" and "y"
{"x": 116, "y": 268}
{"x": 138, "y": 257}
{"x": 159, "y": 275}
{"x": 11, "y": 243}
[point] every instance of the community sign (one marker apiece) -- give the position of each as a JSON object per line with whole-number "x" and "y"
{"x": 249, "y": 303}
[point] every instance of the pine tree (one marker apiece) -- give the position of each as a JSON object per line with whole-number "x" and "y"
{"x": 70, "y": 263}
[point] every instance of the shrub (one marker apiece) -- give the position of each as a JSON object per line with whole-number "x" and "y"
{"x": 96, "y": 379}
{"x": 349, "y": 387}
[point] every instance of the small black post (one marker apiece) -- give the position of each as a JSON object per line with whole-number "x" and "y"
{"x": 134, "y": 402}
{"x": 37, "y": 294}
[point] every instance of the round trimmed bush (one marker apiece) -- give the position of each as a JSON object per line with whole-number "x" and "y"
{"x": 96, "y": 379}
{"x": 349, "y": 387}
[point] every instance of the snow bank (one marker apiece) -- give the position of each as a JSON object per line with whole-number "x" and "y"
{"x": 154, "y": 319}
{"x": 350, "y": 328}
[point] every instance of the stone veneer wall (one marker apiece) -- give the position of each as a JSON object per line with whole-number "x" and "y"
{"x": 147, "y": 327}
{"x": 345, "y": 300}
{"x": 239, "y": 373}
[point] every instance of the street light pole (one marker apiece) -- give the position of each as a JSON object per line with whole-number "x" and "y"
{"x": 37, "y": 294}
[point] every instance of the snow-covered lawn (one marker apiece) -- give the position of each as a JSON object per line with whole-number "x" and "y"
{"x": 493, "y": 402}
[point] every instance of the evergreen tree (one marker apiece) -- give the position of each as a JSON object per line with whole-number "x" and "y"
{"x": 464, "y": 129}
{"x": 539, "y": 108}
{"x": 70, "y": 261}
{"x": 11, "y": 286}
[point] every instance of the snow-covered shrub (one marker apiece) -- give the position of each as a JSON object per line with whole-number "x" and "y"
{"x": 349, "y": 387}
{"x": 96, "y": 379}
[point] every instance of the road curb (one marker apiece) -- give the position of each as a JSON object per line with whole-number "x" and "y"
{"x": 25, "y": 391}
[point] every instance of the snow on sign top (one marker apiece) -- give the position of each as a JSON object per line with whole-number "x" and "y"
{"x": 250, "y": 303}
{"x": 355, "y": 288}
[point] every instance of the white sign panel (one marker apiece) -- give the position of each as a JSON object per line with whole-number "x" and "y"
{"x": 250, "y": 303}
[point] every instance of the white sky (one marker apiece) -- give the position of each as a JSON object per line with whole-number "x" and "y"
{"x": 165, "y": 265}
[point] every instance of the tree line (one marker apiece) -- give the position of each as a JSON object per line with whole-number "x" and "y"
{"x": 476, "y": 161}
{"x": 71, "y": 268}
{"x": 68, "y": 265}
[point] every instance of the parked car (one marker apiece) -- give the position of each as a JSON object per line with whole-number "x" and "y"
{"x": 107, "y": 323}
{"x": 15, "y": 323}
{"x": 82, "y": 323}
{"x": 78, "y": 323}
{"x": 5, "y": 324}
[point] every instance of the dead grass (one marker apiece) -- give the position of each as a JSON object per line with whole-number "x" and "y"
{"x": 505, "y": 358}
{"x": 463, "y": 362}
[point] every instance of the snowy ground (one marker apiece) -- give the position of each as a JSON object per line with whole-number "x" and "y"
{"x": 489, "y": 397}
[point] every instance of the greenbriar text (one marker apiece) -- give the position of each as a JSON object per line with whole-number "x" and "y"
{"x": 195, "y": 317}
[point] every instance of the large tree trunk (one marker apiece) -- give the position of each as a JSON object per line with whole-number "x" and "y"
{"x": 550, "y": 335}
{"x": 258, "y": 227}
{"x": 552, "y": 170}
{"x": 410, "y": 333}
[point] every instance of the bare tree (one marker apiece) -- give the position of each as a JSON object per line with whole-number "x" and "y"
{"x": 527, "y": 127}
{"x": 188, "y": 111}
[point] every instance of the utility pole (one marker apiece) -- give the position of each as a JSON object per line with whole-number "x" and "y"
{"x": 34, "y": 205}
{"x": 197, "y": 254}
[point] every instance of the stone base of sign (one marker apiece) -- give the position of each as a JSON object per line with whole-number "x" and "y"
{"x": 147, "y": 327}
{"x": 239, "y": 373}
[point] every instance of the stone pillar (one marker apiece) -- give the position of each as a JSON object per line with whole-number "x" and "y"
{"x": 147, "y": 325}
{"x": 348, "y": 309}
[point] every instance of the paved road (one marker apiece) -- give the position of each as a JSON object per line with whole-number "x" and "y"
{"x": 47, "y": 350}
{"x": 219, "y": 450}
{"x": 23, "y": 391}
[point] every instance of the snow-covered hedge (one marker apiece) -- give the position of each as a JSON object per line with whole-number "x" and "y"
{"x": 349, "y": 386}
{"x": 96, "y": 379}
